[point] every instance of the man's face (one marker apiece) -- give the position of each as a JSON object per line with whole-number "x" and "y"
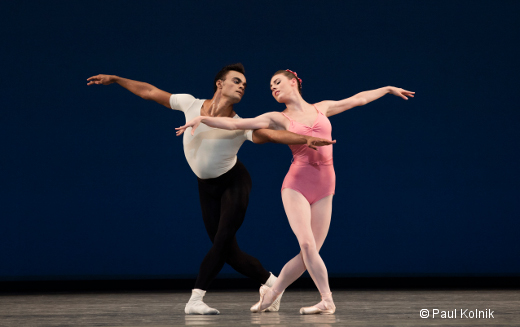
{"x": 234, "y": 85}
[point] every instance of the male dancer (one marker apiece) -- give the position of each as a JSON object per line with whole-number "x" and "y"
{"x": 224, "y": 183}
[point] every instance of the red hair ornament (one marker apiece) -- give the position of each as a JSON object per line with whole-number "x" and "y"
{"x": 290, "y": 71}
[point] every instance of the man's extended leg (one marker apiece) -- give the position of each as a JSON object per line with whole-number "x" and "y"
{"x": 222, "y": 221}
{"x": 224, "y": 202}
{"x": 246, "y": 264}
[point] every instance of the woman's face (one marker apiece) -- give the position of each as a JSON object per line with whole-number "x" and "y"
{"x": 282, "y": 88}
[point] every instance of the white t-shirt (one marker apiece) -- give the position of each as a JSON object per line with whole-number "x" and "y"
{"x": 211, "y": 152}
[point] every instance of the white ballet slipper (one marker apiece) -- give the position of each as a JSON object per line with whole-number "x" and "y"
{"x": 270, "y": 281}
{"x": 275, "y": 307}
{"x": 196, "y": 306}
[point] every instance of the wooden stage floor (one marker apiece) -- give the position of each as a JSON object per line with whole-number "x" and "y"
{"x": 354, "y": 308}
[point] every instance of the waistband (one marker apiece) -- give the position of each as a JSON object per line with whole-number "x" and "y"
{"x": 316, "y": 163}
{"x": 236, "y": 169}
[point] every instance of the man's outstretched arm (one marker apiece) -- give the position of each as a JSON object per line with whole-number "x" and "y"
{"x": 142, "y": 89}
{"x": 265, "y": 135}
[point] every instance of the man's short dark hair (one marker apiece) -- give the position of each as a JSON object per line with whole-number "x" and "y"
{"x": 238, "y": 67}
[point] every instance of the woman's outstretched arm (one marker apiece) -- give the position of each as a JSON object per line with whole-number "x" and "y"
{"x": 267, "y": 120}
{"x": 331, "y": 108}
{"x": 266, "y": 129}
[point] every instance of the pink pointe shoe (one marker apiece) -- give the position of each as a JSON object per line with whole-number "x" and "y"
{"x": 262, "y": 306}
{"x": 326, "y": 301}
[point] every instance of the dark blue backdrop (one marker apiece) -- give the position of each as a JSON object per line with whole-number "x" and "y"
{"x": 94, "y": 183}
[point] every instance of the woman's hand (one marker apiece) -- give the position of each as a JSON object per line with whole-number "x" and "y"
{"x": 194, "y": 123}
{"x": 314, "y": 142}
{"x": 401, "y": 92}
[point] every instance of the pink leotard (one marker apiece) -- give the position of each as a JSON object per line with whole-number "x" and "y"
{"x": 312, "y": 172}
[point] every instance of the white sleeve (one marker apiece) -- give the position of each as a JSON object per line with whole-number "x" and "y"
{"x": 249, "y": 134}
{"x": 181, "y": 101}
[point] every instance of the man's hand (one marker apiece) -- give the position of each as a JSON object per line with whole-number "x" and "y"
{"x": 101, "y": 79}
{"x": 313, "y": 142}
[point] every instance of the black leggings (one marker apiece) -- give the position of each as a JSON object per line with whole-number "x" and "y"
{"x": 224, "y": 202}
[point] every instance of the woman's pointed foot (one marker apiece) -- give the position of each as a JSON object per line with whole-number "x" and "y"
{"x": 267, "y": 297}
{"x": 325, "y": 307}
{"x": 257, "y": 305}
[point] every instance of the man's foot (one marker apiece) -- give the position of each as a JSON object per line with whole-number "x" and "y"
{"x": 196, "y": 306}
{"x": 275, "y": 307}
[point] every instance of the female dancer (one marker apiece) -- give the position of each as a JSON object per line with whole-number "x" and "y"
{"x": 309, "y": 185}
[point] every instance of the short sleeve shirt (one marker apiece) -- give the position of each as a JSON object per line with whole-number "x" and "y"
{"x": 211, "y": 152}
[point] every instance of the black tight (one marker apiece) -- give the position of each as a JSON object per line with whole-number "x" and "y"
{"x": 224, "y": 202}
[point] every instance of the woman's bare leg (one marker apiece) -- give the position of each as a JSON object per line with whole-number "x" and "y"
{"x": 321, "y": 212}
{"x": 310, "y": 225}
